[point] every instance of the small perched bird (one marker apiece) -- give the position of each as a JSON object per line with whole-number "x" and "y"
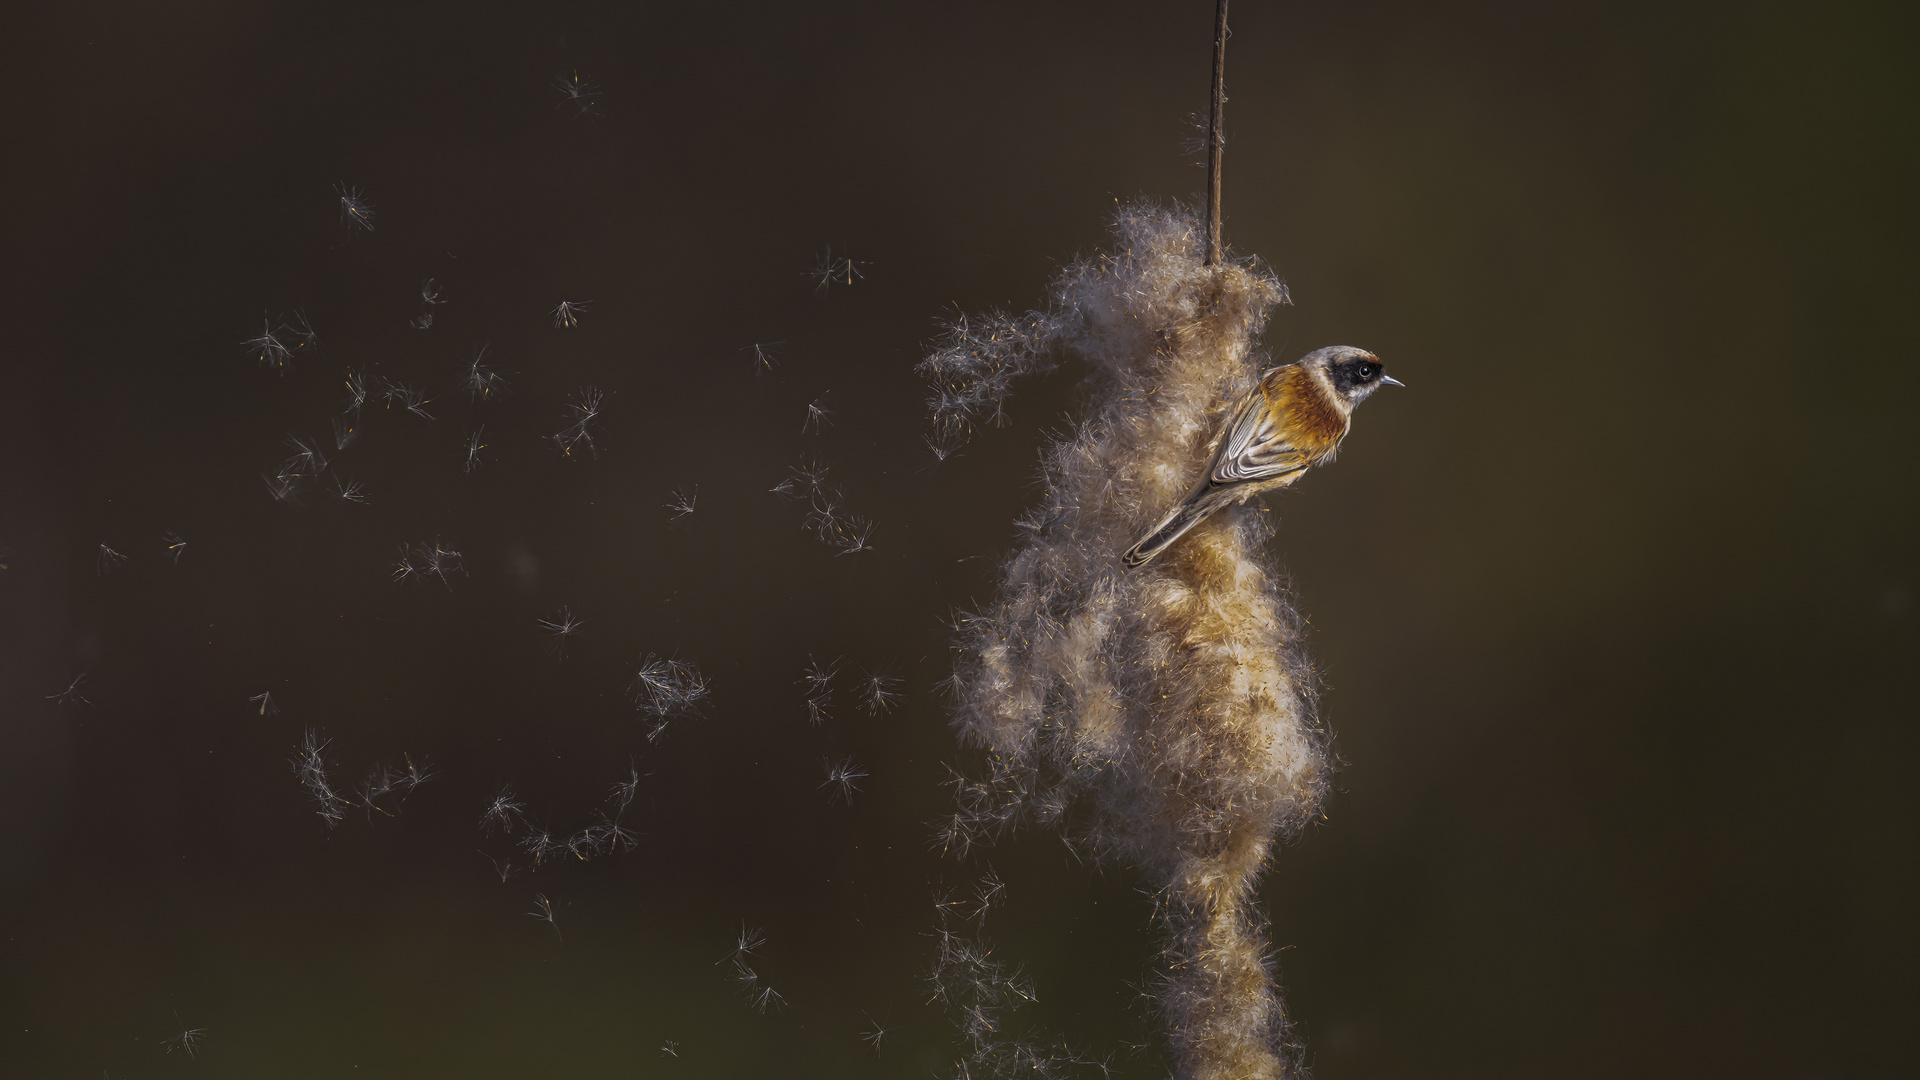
{"x": 1289, "y": 423}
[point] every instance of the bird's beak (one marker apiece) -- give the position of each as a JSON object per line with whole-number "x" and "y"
{"x": 1388, "y": 380}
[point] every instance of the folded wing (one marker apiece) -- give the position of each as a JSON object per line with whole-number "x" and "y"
{"x": 1255, "y": 448}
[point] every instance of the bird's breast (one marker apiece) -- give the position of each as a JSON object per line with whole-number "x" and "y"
{"x": 1314, "y": 422}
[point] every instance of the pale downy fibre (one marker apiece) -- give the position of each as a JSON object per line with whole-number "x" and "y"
{"x": 1163, "y": 716}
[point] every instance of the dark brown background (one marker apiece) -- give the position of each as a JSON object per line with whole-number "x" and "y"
{"x": 1614, "y": 604}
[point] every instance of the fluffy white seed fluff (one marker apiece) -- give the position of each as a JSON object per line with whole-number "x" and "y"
{"x": 1163, "y": 716}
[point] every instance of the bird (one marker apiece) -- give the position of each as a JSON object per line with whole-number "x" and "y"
{"x": 1293, "y": 420}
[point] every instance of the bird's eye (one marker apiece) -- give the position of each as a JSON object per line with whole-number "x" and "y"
{"x": 1365, "y": 372}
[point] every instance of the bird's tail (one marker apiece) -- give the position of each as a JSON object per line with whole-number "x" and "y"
{"x": 1191, "y": 511}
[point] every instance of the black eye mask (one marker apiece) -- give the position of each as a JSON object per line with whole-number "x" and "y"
{"x": 1348, "y": 376}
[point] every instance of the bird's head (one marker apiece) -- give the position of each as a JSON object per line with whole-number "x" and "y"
{"x": 1350, "y": 373}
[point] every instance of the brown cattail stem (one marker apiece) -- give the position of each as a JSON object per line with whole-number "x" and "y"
{"x": 1216, "y": 133}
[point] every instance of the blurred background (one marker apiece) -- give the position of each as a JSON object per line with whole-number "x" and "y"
{"x": 1614, "y": 606}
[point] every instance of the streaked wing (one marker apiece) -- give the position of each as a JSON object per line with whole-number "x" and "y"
{"x": 1255, "y": 448}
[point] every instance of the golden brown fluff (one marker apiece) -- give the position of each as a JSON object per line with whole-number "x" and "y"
{"x": 1163, "y": 716}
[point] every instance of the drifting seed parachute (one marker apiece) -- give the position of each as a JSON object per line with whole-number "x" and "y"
{"x": 1163, "y": 716}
